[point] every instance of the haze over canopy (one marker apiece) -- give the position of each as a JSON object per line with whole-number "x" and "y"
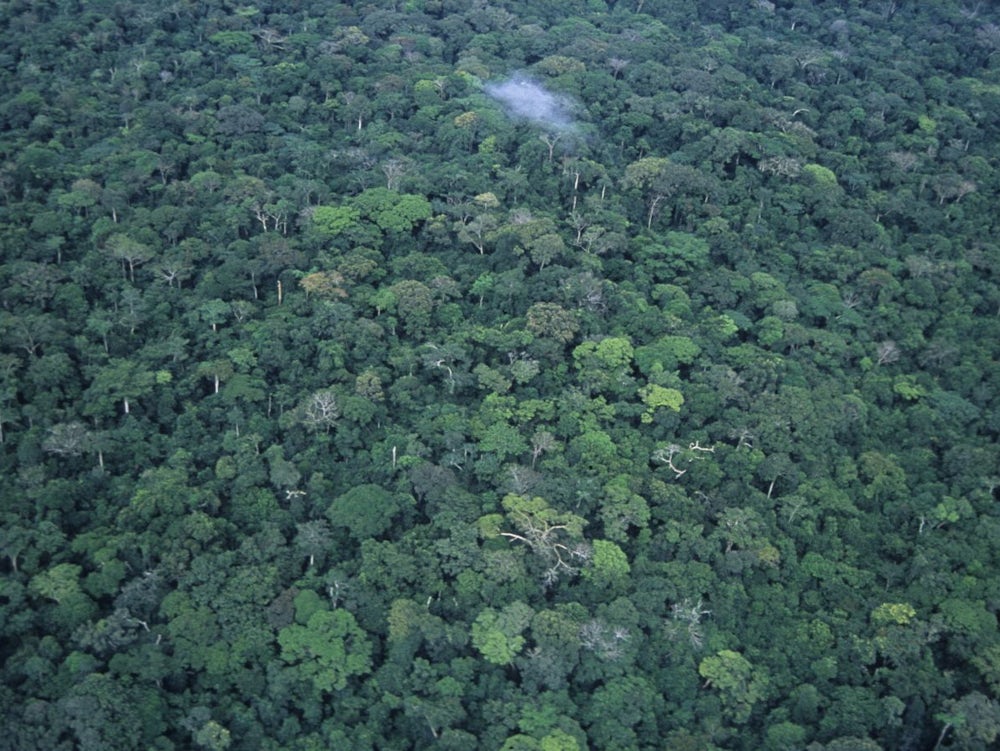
{"x": 529, "y": 100}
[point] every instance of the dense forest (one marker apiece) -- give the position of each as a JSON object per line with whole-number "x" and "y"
{"x": 499, "y": 374}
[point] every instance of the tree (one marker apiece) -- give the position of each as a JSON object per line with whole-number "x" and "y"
{"x": 411, "y": 623}
{"x": 482, "y": 286}
{"x": 497, "y": 634}
{"x": 545, "y": 249}
{"x": 439, "y": 706}
{"x": 733, "y": 357}
{"x": 501, "y": 440}
{"x": 391, "y": 211}
{"x": 130, "y": 252}
{"x": 622, "y": 510}
{"x": 394, "y": 169}
{"x": 367, "y": 510}
{"x": 327, "y": 648}
{"x": 219, "y": 370}
{"x": 67, "y": 439}
{"x": 120, "y": 381}
{"x": 739, "y": 683}
{"x": 552, "y": 321}
{"x": 541, "y": 442}
{"x": 477, "y": 231}
{"x": 974, "y": 719}
{"x": 666, "y": 354}
{"x": 623, "y": 713}
{"x": 609, "y": 567}
{"x": 100, "y": 712}
{"x": 556, "y": 538}
{"x": 886, "y": 479}
{"x": 324, "y": 284}
{"x": 414, "y": 303}
{"x": 605, "y": 364}
{"x": 212, "y": 736}
{"x": 659, "y": 179}
{"x": 333, "y": 221}
{"x": 313, "y": 539}
{"x": 58, "y": 583}
{"x": 320, "y": 410}
{"x": 656, "y": 397}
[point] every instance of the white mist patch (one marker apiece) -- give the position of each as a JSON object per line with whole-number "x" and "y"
{"x": 529, "y": 100}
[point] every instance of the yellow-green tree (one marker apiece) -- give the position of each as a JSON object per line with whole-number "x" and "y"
{"x": 740, "y": 685}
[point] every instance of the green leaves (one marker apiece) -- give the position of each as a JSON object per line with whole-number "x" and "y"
{"x": 392, "y": 211}
{"x": 335, "y": 220}
{"x": 906, "y": 386}
{"x": 664, "y": 350}
{"x": 367, "y": 510}
{"x": 666, "y": 354}
{"x": 497, "y": 634}
{"x": 123, "y": 381}
{"x": 556, "y": 538}
{"x": 622, "y": 509}
{"x": 129, "y": 251}
{"x": 501, "y": 439}
{"x": 606, "y": 363}
{"x": 231, "y": 42}
{"x": 739, "y": 683}
{"x": 373, "y": 212}
{"x": 328, "y": 650}
{"x": 57, "y": 583}
{"x": 886, "y": 479}
{"x": 823, "y": 177}
{"x": 658, "y": 397}
{"x": 552, "y": 321}
{"x": 896, "y": 613}
{"x": 609, "y": 567}
{"x": 975, "y": 719}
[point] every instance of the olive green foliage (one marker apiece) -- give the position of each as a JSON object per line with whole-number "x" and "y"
{"x": 342, "y": 405}
{"x": 497, "y": 634}
{"x": 327, "y": 650}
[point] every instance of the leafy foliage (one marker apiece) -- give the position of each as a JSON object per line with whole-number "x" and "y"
{"x": 347, "y": 402}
